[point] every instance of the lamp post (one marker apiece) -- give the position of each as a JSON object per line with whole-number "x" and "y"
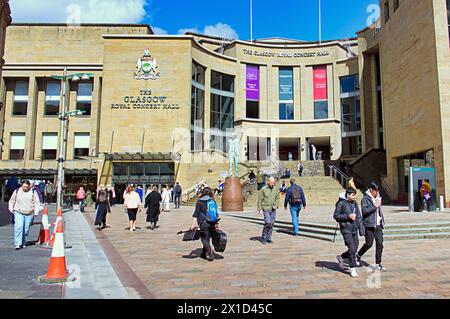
{"x": 63, "y": 116}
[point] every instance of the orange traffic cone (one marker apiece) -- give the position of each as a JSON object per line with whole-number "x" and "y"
{"x": 58, "y": 221}
{"x": 44, "y": 236}
{"x": 57, "y": 271}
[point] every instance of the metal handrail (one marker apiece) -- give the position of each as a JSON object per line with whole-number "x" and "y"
{"x": 334, "y": 171}
{"x": 191, "y": 189}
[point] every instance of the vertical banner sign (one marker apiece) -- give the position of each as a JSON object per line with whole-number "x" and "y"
{"x": 320, "y": 83}
{"x": 252, "y": 82}
{"x": 286, "y": 84}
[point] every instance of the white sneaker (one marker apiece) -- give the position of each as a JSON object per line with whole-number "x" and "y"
{"x": 353, "y": 273}
{"x": 341, "y": 262}
{"x": 379, "y": 267}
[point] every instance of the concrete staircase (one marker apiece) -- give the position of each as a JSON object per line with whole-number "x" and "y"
{"x": 330, "y": 232}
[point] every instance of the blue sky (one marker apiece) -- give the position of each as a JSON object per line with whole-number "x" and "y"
{"x": 296, "y": 19}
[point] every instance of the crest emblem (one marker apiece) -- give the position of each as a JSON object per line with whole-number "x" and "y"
{"x": 146, "y": 67}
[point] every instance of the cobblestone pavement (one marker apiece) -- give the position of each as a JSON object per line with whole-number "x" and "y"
{"x": 291, "y": 267}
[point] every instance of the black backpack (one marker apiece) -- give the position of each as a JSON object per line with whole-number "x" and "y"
{"x": 296, "y": 195}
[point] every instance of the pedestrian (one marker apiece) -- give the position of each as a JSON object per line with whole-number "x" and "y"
{"x": 177, "y": 194}
{"x": 259, "y": 180}
{"x": 348, "y": 216}
{"x": 268, "y": 200}
{"x": 171, "y": 193}
{"x": 252, "y": 177}
{"x": 165, "y": 199}
{"x": 296, "y": 199}
{"x": 111, "y": 195}
{"x": 373, "y": 221}
{"x": 81, "y": 196}
{"x": 89, "y": 199}
{"x": 152, "y": 203}
{"x": 140, "y": 191}
{"x": 49, "y": 190}
{"x": 133, "y": 205}
{"x": 287, "y": 173}
{"x": 23, "y": 203}
{"x": 300, "y": 168}
{"x": 206, "y": 219}
{"x": 283, "y": 188}
{"x": 102, "y": 207}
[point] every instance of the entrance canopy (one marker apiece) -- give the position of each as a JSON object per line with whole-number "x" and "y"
{"x": 43, "y": 172}
{"x": 141, "y": 156}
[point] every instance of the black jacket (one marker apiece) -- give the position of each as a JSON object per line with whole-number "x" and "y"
{"x": 201, "y": 209}
{"x": 341, "y": 214}
{"x": 369, "y": 212}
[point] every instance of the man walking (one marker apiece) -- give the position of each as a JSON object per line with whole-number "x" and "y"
{"x": 267, "y": 207}
{"x": 348, "y": 216}
{"x": 177, "y": 194}
{"x": 49, "y": 190}
{"x": 373, "y": 220}
{"x": 23, "y": 203}
{"x": 296, "y": 199}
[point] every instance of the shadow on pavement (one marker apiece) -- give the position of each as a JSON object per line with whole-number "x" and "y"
{"x": 196, "y": 254}
{"x": 330, "y": 266}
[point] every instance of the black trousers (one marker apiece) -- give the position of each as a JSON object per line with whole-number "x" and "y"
{"x": 352, "y": 242}
{"x": 206, "y": 231}
{"x": 371, "y": 234}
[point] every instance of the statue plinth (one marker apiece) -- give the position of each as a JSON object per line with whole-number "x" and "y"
{"x": 232, "y": 200}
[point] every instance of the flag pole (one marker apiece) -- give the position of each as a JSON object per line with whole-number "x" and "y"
{"x": 251, "y": 20}
{"x": 320, "y": 22}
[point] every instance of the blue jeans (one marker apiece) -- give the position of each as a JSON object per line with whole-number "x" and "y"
{"x": 295, "y": 211}
{"x": 22, "y": 225}
{"x": 269, "y": 221}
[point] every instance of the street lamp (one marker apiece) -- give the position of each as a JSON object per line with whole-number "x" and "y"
{"x": 63, "y": 116}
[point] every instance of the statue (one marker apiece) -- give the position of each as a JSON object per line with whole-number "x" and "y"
{"x": 233, "y": 153}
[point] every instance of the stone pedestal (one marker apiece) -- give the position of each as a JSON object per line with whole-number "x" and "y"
{"x": 232, "y": 200}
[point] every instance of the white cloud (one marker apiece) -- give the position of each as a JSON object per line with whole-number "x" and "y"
{"x": 158, "y": 30}
{"x": 193, "y": 30}
{"x": 221, "y": 30}
{"x": 79, "y": 11}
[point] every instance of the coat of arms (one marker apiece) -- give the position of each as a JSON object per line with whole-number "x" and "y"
{"x": 146, "y": 67}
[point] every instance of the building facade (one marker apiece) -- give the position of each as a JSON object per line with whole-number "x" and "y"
{"x": 161, "y": 108}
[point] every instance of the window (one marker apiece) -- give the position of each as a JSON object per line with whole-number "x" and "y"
{"x": 320, "y": 83}
{"x": 286, "y": 93}
{"x": 386, "y": 11}
{"x": 252, "y": 92}
{"x": 222, "y": 109}
{"x": 350, "y": 115}
{"x": 81, "y": 144}
{"x": 17, "y": 146}
{"x": 197, "y": 107}
{"x": 20, "y": 98}
{"x": 258, "y": 148}
{"x": 49, "y": 146}
{"x": 52, "y": 99}
{"x": 84, "y": 97}
{"x": 396, "y": 4}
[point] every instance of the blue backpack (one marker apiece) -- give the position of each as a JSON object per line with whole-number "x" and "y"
{"x": 212, "y": 214}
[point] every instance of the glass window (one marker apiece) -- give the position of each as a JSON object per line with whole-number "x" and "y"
{"x": 81, "y": 144}
{"x": 348, "y": 84}
{"x": 320, "y": 110}
{"x": 167, "y": 169}
{"x": 198, "y": 73}
{"x": 151, "y": 169}
{"x": 286, "y": 111}
{"x": 252, "y": 110}
{"x": 20, "y": 97}
{"x": 49, "y": 145}
{"x": 223, "y": 82}
{"x": 136, "y": 169}
{"x": 120, "y": 169}
{"x": 17, "y": 146}
{"x": 386, "y": 11}
{"x": 84, "y": 97}
{"x": 53, "y": 95}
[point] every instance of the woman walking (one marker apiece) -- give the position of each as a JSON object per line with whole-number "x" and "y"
{"x": 133, "y": 205}
{"x": 165, "y": 199}
{"x": 102, "y": 207}
{"x": 152, "y": 203}
{"x": 81, "y": 196}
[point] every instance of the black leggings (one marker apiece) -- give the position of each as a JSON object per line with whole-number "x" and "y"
{"x": 371, "y": 234}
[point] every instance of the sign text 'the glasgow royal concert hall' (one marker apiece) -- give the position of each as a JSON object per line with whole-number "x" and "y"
{"x": 286, "y": 54}
{"x": 145, "y": 101}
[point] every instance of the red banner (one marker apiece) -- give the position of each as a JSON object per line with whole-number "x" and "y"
{"x": 320, "y": 83}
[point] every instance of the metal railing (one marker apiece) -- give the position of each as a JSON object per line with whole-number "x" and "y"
{"x": 190, "y": 191}
{"x": 339, "y": 175}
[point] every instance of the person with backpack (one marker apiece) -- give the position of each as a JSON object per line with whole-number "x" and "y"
{"x": 153, "y": 205}
{"x": 348, "y": 215}
{"x": 296, "y": 199}
{"x": 373, "y": 221}
{"x": 206, "y": 219}
{"x": 267, "y": 206}
{"x": 102, "y": 207}
{"x": 177, "y": 191}
{"x": 23, "y": 204}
